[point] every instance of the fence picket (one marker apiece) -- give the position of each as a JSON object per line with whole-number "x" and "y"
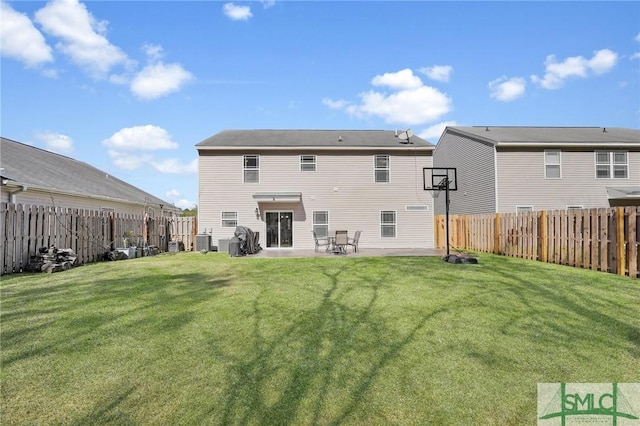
{"x": 89, "y": 233}
{"x": 586, "y": 238}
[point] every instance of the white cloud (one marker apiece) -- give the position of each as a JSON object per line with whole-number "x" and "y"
{"x": 184, "y": 204}
{"x": 237, "y": 13}
{"x": 576, "y": 66}
{"x": 268, "y": 3}
{"x": 82, "y": 37}
{"x": 400, "y": 80}
{"x": 603, "y": 61}
{"x": 413, "y": 104}
{"x": 128, "y": 161}
{"x": 142, "y": 138}
{"x": 56, "y": 142}
{"x": 433, "y": 133}
{"x": 172, "y": 193}
{"x": 438, "y": 72}
{"x": 154, "y": 52}
{"x": 339, "y": 104}
{"x": 20, "y": 40}
{"x": 637, "y": 38}
{"x": 157, "y": 80}
{"x": 174, "y": 166}
{"x": 507, "y": 89}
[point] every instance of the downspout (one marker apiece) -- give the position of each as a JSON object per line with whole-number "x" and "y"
{"x": 12, "y": 195}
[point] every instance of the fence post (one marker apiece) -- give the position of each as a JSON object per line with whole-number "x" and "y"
{"x": 496, "y": 235}
{"x": 620, "y": 252}
{"x": 543, "y": 236}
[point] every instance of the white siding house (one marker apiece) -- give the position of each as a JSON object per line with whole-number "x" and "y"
{"x": 513, "y": 169}
{"x": 33, "y": 176}
{"x": 286, "y": 183}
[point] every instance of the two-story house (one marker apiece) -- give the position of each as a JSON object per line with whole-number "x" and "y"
{"x": 516, "y": 169}
{"x": 285, "y": 184}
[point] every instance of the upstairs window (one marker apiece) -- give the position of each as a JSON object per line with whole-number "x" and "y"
{"x": 251, "y": 168}
{"x": 552, "y": 164}
{"x": 524, "y": 209}
{"x": 307, "y": 163}
{"x": 381, "y": 168}
{"x": 612, "y": 165}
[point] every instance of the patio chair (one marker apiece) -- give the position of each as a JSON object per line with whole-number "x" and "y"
{"x": 320, "y": 242}
{"x": 354, "y": 241}
{"x": 342, "y": 240}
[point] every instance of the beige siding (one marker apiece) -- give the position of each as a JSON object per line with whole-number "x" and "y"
{"x": 521, "y": 180}
{"x": 343, "y": 185}
{"x": 42, "y": 198}
{"x": 475, "y": 168}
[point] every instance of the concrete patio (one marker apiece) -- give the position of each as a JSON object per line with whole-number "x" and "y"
{"x": 363, "y": 252}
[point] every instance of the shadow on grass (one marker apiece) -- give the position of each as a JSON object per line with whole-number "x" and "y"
{"x": 75, "y": 318}
{"x": 308, "y": 368}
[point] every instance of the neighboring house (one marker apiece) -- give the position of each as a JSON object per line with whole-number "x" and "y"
{"x": 286, "y": 183}
{"x": 32, "y": 175}
{"x": 515, "y": 169}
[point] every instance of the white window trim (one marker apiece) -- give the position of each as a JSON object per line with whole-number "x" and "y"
{"x": 395, "y": 223}
{"x": 376, "y": 168}
{"x": 313, "y": 220}
{"x": 610, "y": 164}
{"x": 315, "y": 163}
{"x": 552, "y": 164}
{"x": 244, "y": 168}
{"x": 223, "y": 219}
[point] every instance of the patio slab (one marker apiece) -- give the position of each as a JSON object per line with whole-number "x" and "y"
{"x": 363, "y": 252}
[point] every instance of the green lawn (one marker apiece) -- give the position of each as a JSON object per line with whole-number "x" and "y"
{"x": 195, "y": 338}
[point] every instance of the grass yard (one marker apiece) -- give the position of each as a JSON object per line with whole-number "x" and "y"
{"x": 199, "y": 339}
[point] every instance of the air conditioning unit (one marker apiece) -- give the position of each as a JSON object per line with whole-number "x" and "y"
{"x": 203, "y": 242}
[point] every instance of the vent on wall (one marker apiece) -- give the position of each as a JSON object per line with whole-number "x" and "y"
{"x": 417, "y": 208}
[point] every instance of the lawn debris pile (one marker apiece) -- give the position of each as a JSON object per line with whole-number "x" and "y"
{"x": 52, "y": 259}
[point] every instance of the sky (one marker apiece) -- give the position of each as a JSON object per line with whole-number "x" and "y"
{"x": 131, "y": 87}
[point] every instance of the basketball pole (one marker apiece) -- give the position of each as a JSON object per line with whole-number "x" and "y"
{"x": 446, "y": 211}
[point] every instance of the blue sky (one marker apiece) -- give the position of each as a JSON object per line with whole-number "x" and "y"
{"x": 131, "y": 87}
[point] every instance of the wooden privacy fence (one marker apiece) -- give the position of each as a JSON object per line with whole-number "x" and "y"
{"x": 89, "y": 233}
{"x": 605, "y": 239}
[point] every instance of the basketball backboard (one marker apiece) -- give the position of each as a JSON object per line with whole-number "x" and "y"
{"x": 436, "y": 178}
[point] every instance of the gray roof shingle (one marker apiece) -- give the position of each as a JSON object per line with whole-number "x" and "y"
{"x": 32, "y": 166}
{"x": 501, "y": 135}
{"x": 309, "y": 138}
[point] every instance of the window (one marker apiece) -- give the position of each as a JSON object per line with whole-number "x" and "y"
{"x": 229, "y": 219}
{"x": 612, "y": 164}
{"x": 251, "y": 168}
{"x": 552, "y": 165}
{"x": 388, "y": 224}
{"x": 524, "y": 209}
{"x": 307, "y": 163}
{"x": 381, "y": 168}
{"x": 321, "y": 223}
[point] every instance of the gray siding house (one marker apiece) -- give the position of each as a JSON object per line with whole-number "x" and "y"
{"x": 31, "y": 175}
{"x": 515, "y": 169}
{"x": 285, "y": 184}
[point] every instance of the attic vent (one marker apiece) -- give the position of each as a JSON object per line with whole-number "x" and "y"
{"x": 339, "y": 138}
{"x": 417, "y": 208}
